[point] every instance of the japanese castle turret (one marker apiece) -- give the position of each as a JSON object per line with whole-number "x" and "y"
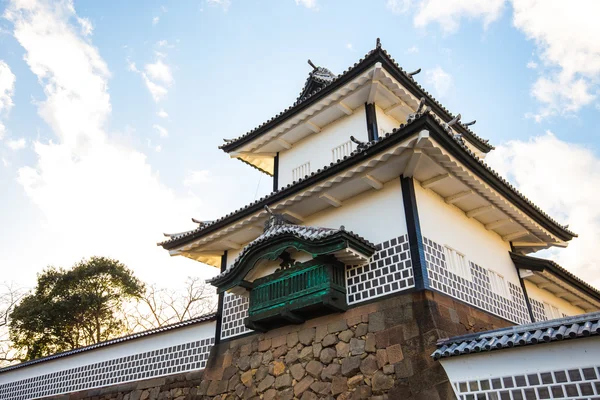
{"x": 389, "y": 262}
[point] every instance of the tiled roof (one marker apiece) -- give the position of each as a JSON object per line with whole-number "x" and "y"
{"x": 523, "y": 335}
{"x": 540, "y": 264}
{"x": 318, "y": 78}
{"x": 346, "y": 161}
{"x": 309, "y": 233}
{"x": 193, "y": 321}
{"x": 377, "y": 54}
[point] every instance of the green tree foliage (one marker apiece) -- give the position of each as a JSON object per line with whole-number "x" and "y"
{"x": 73, "y": 308}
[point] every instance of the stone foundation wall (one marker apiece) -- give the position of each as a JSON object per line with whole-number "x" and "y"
{"x": 375, "y": 351}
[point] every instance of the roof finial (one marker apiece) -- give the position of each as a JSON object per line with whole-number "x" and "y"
{"x": 361, "y": 145}
{"x": 378, "y": 43}
{"x": 421, "y": 107}
{"x": 414, "y": 72}
{"x": 454, "y": 120}
{"x": 470, "y": 123}
{"x": 312, "y": 65}
{"x": 268, "y": 209}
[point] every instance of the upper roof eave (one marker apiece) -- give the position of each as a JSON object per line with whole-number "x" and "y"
{"x": 422, "y": 121}
{"x": 541, "y": 265}
{"x": 376, "y": 55}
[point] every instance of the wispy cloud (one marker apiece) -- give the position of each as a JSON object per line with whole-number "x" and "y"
{"x": 310, "y": 4}
{"x": 223, "y": 4}
{"x": 7, "y": 88}
{"x": 350, "y": 47}
{"x": 157, "y": 76}
{"x": 71, "y": 175}
{"x": 440, "y": 80}
{"x": 162, "y": 132}
{"x": 16, "y": 144}
{"x": 532, "y": 64}
{"x": 412, "y": 50}
{"x": 162, "y": 114}
{"x": 155, "y": 20}
{"x": 531, "y": 165}
{"x": 194, "y": 178}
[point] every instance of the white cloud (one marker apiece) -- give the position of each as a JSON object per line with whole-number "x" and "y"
{"x": 159, "y": 71}
{"x": 155, "y": 20}
{"x": 448, "y": 13}
{"x": 86, "y": 26}
{"x": 412, "y": 50}
{"x": 571, "y": 198}
{"x": 310, "y": 4}
{"x": 16, "y": 144}
{"x": 194, "y": 178}
{"x": 162, "y": 132}
{"x": 224, "y": 4}
{"x": 162, "y": 43}
{"x": 399, "y": 6}
{"x": 350, "y": 46}
{"x": 5, "y": 162}
{"x": 7, "y": 89}
{"x": 157, "y": 91}
{"x": 162, "y": 114}
{"x": 532, "y": 64}
{"x": 439, "y": 79}
{"x": 566, "y": 39}
{"x": 100, "y": 199}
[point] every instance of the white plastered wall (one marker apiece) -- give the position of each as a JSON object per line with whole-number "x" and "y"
{"x": 543, "y": 295}
{"x": 153, "y": 342}
{"x": 376, "y": 215}
{"x": 385, "y": 123}
{"x": 316, "y": 148}
{"x": 562, "y": 355}
{"x": 449, "y": 226}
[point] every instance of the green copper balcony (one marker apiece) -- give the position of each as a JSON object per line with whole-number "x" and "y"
{"x": 297, "y": 294}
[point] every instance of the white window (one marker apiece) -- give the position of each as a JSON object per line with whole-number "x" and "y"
{"x": 341, "y": 151}
{"x": 457, "y": 263}
{"x": 552, "y": 312}
{"x": 497, "y": 283}
{"x": 301, "y": 171}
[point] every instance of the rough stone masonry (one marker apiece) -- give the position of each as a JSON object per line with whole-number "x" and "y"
{"x": 375, "y": 351}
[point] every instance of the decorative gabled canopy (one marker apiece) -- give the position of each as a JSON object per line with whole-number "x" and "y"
{"x": 317, "y": 79}
{"x": 550, "y": 276}
{"x": 281, "y": 235}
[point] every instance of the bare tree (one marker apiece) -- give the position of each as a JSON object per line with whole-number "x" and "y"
{"x": 161, "y": 306}
{"x": 10, "y": 295}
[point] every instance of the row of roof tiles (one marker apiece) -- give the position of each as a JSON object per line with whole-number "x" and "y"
{"x": 356, "y": 153}
{"x": 362, "y": 62}
{"x": 579, "y": 326}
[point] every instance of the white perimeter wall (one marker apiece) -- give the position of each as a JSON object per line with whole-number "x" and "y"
{"x": 157, "y": 341}
{"x": 376, "y": 215}
{"x": 562, "y": 355}
{"x": 447, "y": 225}
{"x": 316, "y": 148}
{"x": 542, "y": 295}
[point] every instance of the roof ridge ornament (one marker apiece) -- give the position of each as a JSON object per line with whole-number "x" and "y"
{"x": 275, "y": 219}
{"x": 470, "y": 123}
{"x": 312, "y": 65}
{"x": 454, "y": 120}
{"x": 421, "y": 109}
{"x": 378, "y": 43}
{"x": 411, "y": 74}
{"x": 360, "y": 144}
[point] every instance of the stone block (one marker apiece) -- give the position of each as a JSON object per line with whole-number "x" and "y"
{"x": 280, "y": 351}
{"x": 270, "y": 394}
{"x": 321, "y": 387}
{"x": 297, "y": 371}
{"x": 278, "y": 341}
{"x": 339, "y": 384}
{"x": 267, "y": 357}
{"x": 286, "y": 394}
{"x": 303, "y": 385}
{"x": 357, "y": 346}
{"x": 292, "y": 339}
{"x": 381, "y": 382}
{"x": 370, "y": 343}
{"x": 307, "y": 336}
{"x": 329, "y": 340}
{"x": 306, "y": 354}
{"x": 394, "y": 353}
{"x": 346, "y": 335}
{"x": 317, "y": 347}
{"x": 291, "y": 356}
{"x": 342, "y": 349}
{"x": 278, "y": 368}
{"x": 149, "y": 383}
{"x": 354, "y": 381}
{"x": 308, "y": 395}
{"x": 265, "y": 383}
{"x": 247, "y": 378}
{"x": 368, "y": 365}
{"x": 353, "y": 321}
{"x": 403, "y": 369}
{"x": 243, "y": 363}
{"x": 350, "y": 365}
{"x": 330, "y": 371}
{"x": 264, "y": 345}
{"x": 361, "y": 330}
{"x": 337, "y": 326}
{"x": 327, "y": 355}
{"x": 388, "y": 369}
{"x": 376, "y": 322}
{"x": 245, "y": 350}
{"x": 363, "y": 393}
{"x": 283, "y": 381}
{"x": 216, "y": 387}
{"x": 256, "y": 360}
{"x": 320, "y": 333}
{"x": 314, "y": 368}
{"x": 382, "y": 358}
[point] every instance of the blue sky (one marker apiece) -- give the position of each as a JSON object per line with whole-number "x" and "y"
{"x": 113, "y": 111}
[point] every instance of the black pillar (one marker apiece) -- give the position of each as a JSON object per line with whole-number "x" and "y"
{"x": 276, "y": 172}
{"x": 220, "y": 303}
{"x": 417, "y": 252}
{"x": 525, "y": 294}
{"x": 371, "y": 122}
